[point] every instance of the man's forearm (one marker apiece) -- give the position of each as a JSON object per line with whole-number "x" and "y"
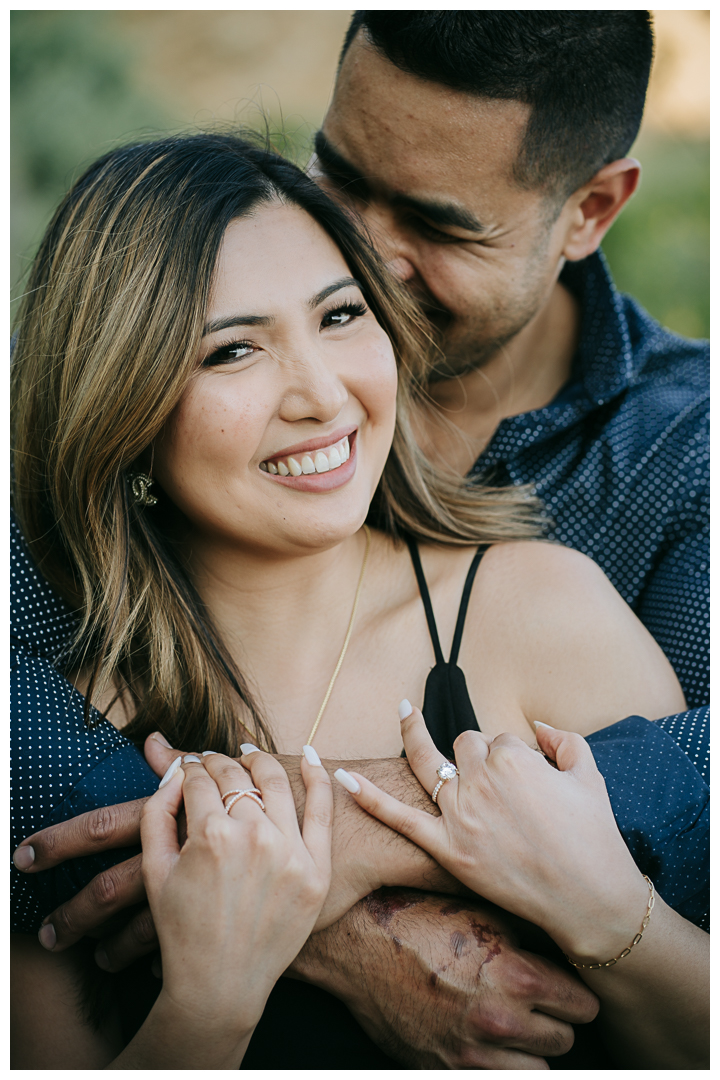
{"x": 367, "y": 854}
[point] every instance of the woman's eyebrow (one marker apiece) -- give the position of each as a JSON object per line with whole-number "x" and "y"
{"x": 237, "y": 320}
{"x": 343, "y": 283}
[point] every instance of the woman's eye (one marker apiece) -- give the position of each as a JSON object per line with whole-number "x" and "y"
{"x": 226, "y": 354}
{"x": 341, "y": 316}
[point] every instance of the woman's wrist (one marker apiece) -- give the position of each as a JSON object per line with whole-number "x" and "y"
{"x": 175, "y": 1037}
{"x": 605, "y": 924}
{"x": 223, "y": 1032}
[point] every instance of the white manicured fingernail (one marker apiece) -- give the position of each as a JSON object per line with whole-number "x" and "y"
{"x": 539, "y": 723}
{"x": 311, "y": 755}
{"x": 191, "y": 757}
{"x": 170, "y": 773}
{"x": 347, "y": 781}
{"x": 404, "y": 709}
{"x": 248, "y": 748}
{"x": 206, "y": 753}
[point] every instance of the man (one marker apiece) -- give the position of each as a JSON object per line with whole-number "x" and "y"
{"x": 487, "y": 153}
{"x": 486, "y": 150}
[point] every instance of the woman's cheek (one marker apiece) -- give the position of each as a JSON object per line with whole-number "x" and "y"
{"x": 376, "y": 382}
{"x": 210, "y": 436}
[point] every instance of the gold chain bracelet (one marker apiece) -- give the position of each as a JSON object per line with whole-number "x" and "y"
{"x": 635, "y": 940}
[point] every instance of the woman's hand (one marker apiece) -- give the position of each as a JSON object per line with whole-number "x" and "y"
{"x": 538, "y": 841}
{"x": 235, "y": 904}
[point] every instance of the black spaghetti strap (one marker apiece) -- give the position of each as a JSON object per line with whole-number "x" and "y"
{"x": 422, "y": 584}
{"x": 460, "y": 625}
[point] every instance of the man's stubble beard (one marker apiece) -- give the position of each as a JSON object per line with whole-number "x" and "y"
{"x": 463, "y": 345}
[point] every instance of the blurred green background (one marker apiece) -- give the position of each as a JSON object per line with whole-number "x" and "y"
{"x": 82, "y": 81}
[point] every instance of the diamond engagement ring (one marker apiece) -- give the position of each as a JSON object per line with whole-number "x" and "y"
{"x": 447, "y": 771}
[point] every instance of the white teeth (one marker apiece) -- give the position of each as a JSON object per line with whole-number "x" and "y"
{"x": 321, "y": 461}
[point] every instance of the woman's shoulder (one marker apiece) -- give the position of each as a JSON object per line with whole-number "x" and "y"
{"x": 563, "y": 641}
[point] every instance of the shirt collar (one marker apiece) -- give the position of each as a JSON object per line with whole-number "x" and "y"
{"x": 605, "y": 358}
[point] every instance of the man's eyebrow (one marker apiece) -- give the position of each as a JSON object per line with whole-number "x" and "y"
{"x": 343, "y": 283}
{"x": 236, "y": 320}
{"x": 441, "y": 213}
{"x": 332, "y": 160}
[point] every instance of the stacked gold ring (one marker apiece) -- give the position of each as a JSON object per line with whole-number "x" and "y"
{"x": 238, "y": 793}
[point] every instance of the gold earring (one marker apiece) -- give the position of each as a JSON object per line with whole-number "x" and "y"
{"x": 140, "y": 484}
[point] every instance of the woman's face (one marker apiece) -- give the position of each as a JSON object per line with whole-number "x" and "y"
{"x": 281, "y": 437}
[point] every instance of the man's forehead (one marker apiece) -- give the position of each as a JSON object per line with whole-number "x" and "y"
{"x": 416, "y": 136}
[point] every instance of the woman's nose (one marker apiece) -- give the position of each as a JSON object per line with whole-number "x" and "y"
{"x": 314, "y": 392}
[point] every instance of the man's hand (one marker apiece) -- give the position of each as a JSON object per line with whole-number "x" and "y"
{"x": 366, "y": 855}
{"x": 438, "y": 982}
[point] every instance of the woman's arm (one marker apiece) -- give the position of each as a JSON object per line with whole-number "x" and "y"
{"x": 542, "y": 843}
{"x": 233, "y": 905}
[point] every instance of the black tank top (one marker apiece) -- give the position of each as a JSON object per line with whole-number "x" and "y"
{"x": 447, "y": 707}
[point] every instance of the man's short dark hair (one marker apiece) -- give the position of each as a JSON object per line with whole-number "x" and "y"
{"x": 584, "y": 74}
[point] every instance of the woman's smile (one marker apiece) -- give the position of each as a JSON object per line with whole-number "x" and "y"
{"x": 313, "y": 467}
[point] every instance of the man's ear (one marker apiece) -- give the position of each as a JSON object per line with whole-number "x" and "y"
{"x": 597, "y": 204}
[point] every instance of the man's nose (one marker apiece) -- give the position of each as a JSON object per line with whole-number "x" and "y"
{"x": 390, "y": 240}
{"x": 402, "y": 268}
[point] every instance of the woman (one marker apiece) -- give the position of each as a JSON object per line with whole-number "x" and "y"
{"x": 212, "y": 390}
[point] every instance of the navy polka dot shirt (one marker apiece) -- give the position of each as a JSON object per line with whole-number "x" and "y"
{"x": 620, "y": 459}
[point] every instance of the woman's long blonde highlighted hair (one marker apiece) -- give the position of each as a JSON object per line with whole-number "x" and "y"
{"x": 108, "y": 336}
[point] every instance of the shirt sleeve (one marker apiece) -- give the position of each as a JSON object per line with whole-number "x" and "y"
{"x": 661, "y": 802}
{"x": 675, "y": 608}
{"x": 61, "y": 767}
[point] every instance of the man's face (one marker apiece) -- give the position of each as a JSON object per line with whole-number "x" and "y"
{"x": 430, "y": 171}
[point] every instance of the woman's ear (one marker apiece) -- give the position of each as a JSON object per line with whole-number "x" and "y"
{"x": 597, "y": 204}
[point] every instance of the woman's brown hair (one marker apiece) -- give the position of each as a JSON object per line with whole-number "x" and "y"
{"x": 108, "y": 336}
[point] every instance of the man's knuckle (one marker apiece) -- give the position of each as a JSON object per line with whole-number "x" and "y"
{"x": 105, "y": 889}
{"x": 496, "y": 1025}
{"x": 100, "y": 824}
{"x": 528, "y": 983}
{"x": 65, "y": 922}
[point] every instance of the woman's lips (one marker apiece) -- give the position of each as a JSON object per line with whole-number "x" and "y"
{"x": 302, "y": 471}
{"x": 324, "y": 460}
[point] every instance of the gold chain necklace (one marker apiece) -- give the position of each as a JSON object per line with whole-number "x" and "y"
{"x": 346, "y": 642}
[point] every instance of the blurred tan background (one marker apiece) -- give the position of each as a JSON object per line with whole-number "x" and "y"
{"x": 82, "y": 81}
